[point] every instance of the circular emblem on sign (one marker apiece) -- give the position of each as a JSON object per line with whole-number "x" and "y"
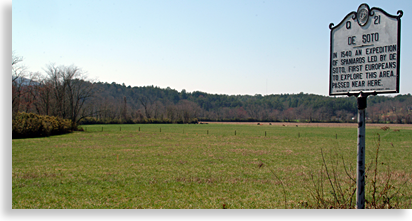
{"x": 363, "y": 14}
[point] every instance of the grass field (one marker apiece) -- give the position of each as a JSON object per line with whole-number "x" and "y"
{"x": 195, "y": 166}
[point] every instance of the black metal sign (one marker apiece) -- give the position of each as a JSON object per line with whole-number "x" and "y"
{"x": 365, "y": 53}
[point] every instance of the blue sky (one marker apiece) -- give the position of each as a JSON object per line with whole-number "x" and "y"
{"x": 223, "y": 47}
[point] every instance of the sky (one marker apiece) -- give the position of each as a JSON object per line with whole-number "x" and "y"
{"x": 219, "y": 47}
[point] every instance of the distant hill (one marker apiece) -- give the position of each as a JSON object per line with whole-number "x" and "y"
{"x": 24, "y": 81}
{"x": 114, "y": 103}
{"x": 125, "y": 103}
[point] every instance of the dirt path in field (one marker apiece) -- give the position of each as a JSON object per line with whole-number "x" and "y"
{"x": 289, "y": 124}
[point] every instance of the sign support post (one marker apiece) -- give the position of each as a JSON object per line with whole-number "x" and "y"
{"x": 360, "y": 168}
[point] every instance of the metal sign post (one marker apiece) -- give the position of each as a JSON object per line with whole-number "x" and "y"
{"x": 360, "y": 185}
{"x": 364, "y": 60}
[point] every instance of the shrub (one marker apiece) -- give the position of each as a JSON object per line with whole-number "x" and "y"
{"x": 26, "y": 125}
{"x": 385, "y": 128}
{"x": 382, "y": 192}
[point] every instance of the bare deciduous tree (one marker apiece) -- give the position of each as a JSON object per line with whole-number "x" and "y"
{"x": 17, "y": 72}
{"x": 22, "y": 84}
{"x": 147, "y": 103}
{"x": 71, "y": 91}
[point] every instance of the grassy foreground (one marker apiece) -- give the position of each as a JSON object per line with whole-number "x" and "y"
{"x": 194, "y": 166}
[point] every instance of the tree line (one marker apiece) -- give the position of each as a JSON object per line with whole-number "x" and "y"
{"x": 66, "y": 92}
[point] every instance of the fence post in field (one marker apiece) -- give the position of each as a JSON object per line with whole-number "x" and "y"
{"x": 102, "y": 129}
{"x": 265, "y": 133}
{"x": 139, "y": 129}
{"x": 207, "y": 131}
{"x": 235, "y": 133}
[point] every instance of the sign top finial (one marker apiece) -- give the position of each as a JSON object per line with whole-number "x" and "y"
{"x": 363, "y": 14}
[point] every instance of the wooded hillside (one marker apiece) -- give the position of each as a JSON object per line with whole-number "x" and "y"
{"x": 115, "y": 101}
{"x": 66, "y": 92}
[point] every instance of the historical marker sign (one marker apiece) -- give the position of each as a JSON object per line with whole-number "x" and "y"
{"x": 365, "y": 52}
{"x": 364, "y": 60}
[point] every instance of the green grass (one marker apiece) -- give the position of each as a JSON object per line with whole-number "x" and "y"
{"x": 190, "y": 166}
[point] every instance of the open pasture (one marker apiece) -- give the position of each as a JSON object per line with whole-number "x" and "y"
{"x": 195, "y": 166}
